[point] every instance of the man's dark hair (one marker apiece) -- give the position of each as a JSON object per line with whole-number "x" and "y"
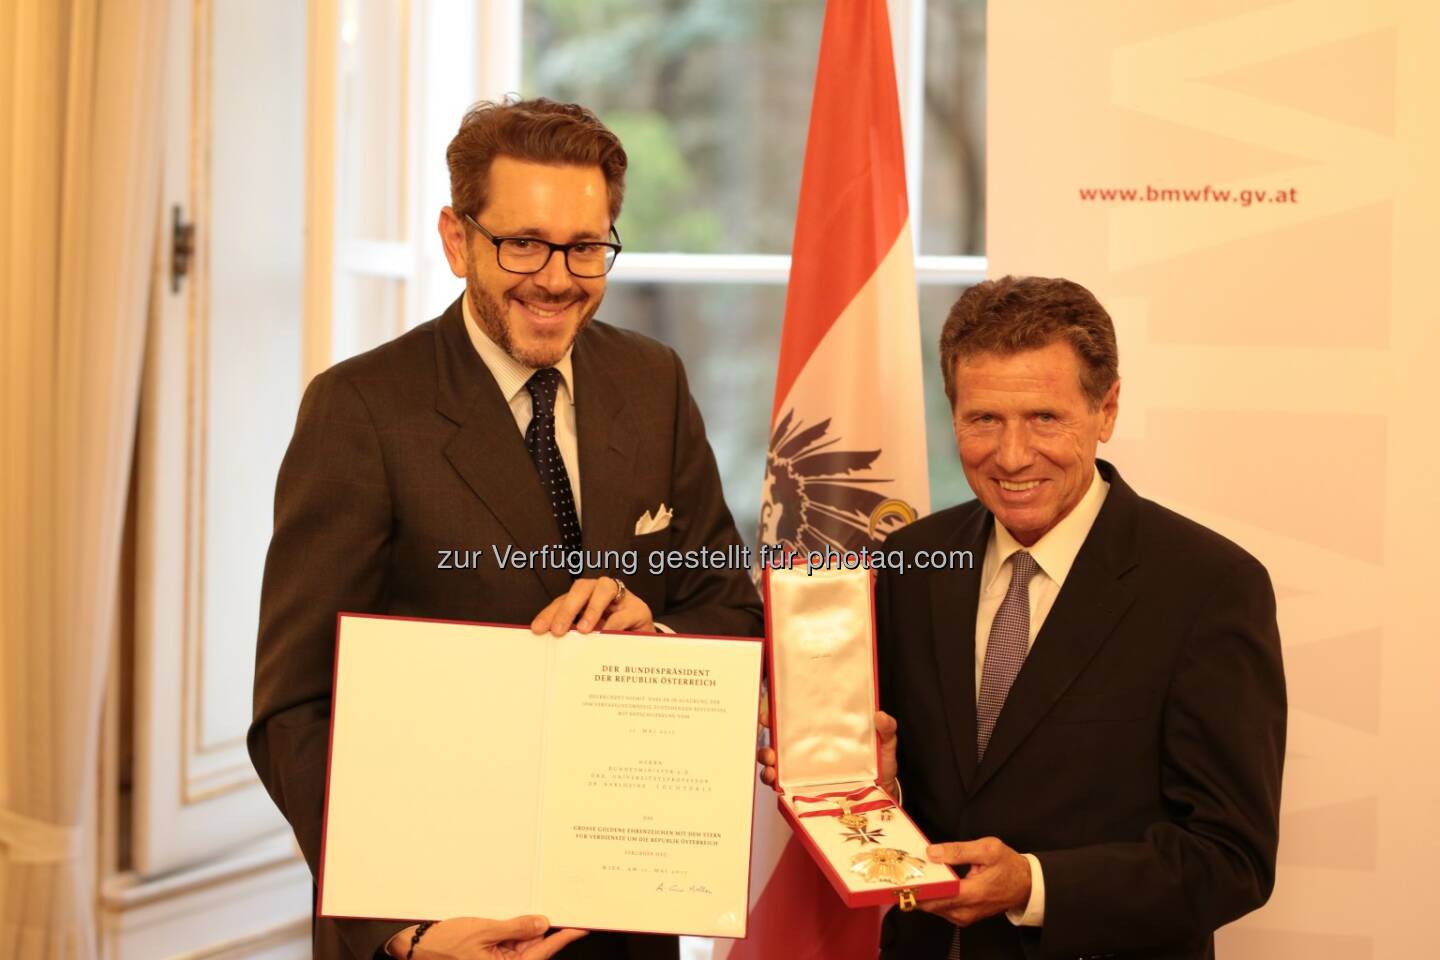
{"x": 1013, "y": 314}
{"x": 540, "y": 131}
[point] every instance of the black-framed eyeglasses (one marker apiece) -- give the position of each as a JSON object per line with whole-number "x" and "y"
{"x": 584, "y": 258}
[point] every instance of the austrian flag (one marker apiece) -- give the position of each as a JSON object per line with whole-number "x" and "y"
{"x": 846, "y": 464}
{"x": 847, "y": 446}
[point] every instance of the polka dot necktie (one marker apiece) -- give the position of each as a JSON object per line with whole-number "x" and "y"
{"x": 540, "y": 441}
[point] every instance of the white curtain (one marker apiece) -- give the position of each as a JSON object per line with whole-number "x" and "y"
{"x": 80, "y": 153}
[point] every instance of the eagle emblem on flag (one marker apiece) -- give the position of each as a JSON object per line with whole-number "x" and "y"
{"x": 817, "y": 496}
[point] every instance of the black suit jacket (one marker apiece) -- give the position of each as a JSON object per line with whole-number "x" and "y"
{"x": 410, "y": 450}
{"x": 1138, "y": 754}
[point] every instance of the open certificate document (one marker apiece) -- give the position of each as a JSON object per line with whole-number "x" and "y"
{"x": 605, "y": 781}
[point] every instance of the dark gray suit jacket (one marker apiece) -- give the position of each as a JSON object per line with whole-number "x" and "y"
{"x": 410, "y": 450}
{"x": 1138, "y": 754}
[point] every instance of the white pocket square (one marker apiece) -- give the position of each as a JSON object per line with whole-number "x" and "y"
{"x": 648, "y": 524}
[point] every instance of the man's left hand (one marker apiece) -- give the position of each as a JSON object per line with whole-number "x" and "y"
{"x": 999, "y": 880}
{"x": 590, "y": 604}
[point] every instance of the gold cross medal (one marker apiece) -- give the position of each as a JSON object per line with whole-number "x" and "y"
{"x": 887, "y": 865}
{"x": 865, "y": 835}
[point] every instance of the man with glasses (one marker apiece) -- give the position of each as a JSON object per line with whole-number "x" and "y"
{"x": 514, "y": 420}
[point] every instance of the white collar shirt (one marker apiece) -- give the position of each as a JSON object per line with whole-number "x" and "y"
{"x": 511, "y": 376}
{"x": 1054, "y": 553}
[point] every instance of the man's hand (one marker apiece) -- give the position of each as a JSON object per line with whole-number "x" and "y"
{"x": 764, "y": 755}
{"x": 999, "y": 880}
{"x": 591, "y": 603}
{"x": 471, "y": 938}
{"x": 885, "y": 728}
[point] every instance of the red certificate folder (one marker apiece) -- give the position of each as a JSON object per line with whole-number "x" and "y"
{"x": 820, "y": 646}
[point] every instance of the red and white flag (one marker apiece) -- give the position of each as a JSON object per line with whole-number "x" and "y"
{"x": 847, "y": 449}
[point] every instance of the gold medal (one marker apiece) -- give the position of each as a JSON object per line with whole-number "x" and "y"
{"x": 848, "y": 816}
{"x": 887, "y": 865}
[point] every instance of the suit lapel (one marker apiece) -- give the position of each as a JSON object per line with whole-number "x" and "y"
{"x": 607, "y": 439}
{"x": 488, "y": 451}
{"x": 953, "y": 607}
{"x": 1095, "y": 596}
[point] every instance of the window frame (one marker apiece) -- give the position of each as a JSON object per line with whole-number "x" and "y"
{"x": 459, "y": 51}
{"x": 500, "y": 71}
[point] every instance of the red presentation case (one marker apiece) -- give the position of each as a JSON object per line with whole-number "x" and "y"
{"x": 824, "y": 691}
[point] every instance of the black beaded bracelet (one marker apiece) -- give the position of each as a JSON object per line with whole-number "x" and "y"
{"x": 419, "y": 932}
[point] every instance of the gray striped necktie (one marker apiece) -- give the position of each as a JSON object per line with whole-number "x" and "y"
{"x": 1004, "y": 654}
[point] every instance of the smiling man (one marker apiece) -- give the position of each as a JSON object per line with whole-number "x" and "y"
{"x": 518, "y": 422}
{"x": 1091, "y": 723}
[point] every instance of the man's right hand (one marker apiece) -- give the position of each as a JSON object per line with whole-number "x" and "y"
{"x": 472, "y": 938}
{"x": 886, "y": 728}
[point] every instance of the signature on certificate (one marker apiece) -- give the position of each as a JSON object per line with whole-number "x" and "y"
{"x": 663, "y": 887}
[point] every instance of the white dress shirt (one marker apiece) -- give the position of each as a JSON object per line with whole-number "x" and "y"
{"x": 1055, "y": 554}
{"x": 511, "y": 375}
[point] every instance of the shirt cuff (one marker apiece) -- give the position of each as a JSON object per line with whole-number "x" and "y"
{"x": 1034, "y": 913}
{"x": 661, "y": 628}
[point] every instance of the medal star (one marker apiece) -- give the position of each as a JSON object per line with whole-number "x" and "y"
{"x": 865, "y": 835}
{"x": 887, "y": 865}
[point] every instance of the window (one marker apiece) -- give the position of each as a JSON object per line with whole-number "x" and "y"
{"x": 712, "y": 100}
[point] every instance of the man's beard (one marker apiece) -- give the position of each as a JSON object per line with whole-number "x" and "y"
{"x": 490, "y": 316}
